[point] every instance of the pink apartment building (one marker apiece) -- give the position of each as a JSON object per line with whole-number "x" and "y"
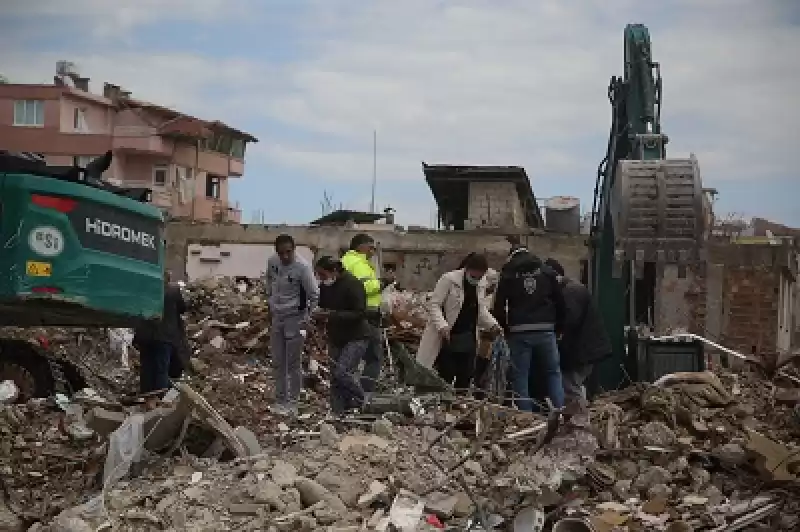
{"x": 187, "y": 161}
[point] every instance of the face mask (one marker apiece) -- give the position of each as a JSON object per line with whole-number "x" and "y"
{"x": 472, "y": 280}
{"x": 328, "y": 282}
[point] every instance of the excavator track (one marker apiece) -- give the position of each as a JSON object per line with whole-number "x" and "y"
{"x": 36, "y": 372}
{"x": 659, "y": 211}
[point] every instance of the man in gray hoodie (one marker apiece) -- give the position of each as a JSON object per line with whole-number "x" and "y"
{"x": 292, "y": 295}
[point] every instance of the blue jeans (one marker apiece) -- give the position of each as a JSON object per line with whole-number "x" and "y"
{"x": 373, "y": 359}
{"x": 541, "y": 347}
{"x": 346, "y": 390}
{"x": 154, "y": 366}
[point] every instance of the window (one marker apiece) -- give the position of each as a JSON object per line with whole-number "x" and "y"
{"x": 237, "y": 148}
{"x": 81, "y": 160}
{"x": 226, "y": 145}
{"x": 79, "y": 120}
{"x": 160, "y": 174}
{"x": 29, "y": 113}
{"x": 213, "y": 186}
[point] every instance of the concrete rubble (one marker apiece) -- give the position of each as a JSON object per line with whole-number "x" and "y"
{"x": 702, "y": 451}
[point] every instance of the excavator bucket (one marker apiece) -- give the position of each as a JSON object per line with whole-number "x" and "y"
{"x": 659, "y": 212}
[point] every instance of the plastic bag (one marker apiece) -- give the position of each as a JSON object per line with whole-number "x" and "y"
{"x": 388, "y": 297}
{"x": 124, "y": 448}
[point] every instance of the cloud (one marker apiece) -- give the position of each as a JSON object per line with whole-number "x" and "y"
{"x": 115, "y": 19}
{"x": 182, "y": 81}
{"x": 465, "y": 82}
{"x": 526, "y": 81}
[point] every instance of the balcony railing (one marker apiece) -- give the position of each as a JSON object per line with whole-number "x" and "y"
{"x": 140, "y": 139}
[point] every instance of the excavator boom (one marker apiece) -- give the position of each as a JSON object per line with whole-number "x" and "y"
{"x": 648, "y": 211}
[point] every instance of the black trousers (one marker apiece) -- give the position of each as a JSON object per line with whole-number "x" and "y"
{"x": 456, "y": 366}
{"x": 154, "y": 362}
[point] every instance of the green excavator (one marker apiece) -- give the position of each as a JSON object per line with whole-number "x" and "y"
{"x": 75, "y": 251}
{"x": 648, "y": 215}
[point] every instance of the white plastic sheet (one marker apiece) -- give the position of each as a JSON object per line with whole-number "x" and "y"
{"x": 120, "y": 341}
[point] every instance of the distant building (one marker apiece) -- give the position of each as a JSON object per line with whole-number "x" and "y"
{"x": 187, "y": 161}
{"x": 474, "y": 197}
{"x": 368, "y": 221}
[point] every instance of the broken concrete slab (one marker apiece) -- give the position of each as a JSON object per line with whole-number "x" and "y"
{"x": 311, "y": 492}
{"x": 773, "y": 460}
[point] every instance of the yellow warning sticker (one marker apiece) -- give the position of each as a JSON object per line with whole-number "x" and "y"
{"x": 39, "y": 269}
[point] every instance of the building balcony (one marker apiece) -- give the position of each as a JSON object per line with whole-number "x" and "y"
{"x": 236, "y": 167}
{"x": 222, "y": 213}
{"x": 141, "y": 139}
{"x": 51, "y": 141}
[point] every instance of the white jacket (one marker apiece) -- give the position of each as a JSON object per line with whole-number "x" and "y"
{"x": 443, "y": 310}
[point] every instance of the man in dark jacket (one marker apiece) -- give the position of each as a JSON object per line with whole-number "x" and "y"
{"x": 343, "y": 305}
{"x": 585, "y": 341}
{"x": 529, "y": 306}
{"x": 158, "y": 342}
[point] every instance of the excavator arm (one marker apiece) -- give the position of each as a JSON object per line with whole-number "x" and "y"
{"x": 647, "y": 211}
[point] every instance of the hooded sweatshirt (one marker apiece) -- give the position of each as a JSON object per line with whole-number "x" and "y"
{"x": 529, "y": 296}
{"x": 291, "y": 288}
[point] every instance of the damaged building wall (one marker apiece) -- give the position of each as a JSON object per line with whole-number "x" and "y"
{"x": 421, "y": 257}
{"x": 736, "y": 298}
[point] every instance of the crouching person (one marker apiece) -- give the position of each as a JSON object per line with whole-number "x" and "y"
{"x": 584, "y": 344}
{"x": 343, "y": 306}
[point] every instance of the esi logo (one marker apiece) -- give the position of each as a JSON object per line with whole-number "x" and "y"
{"x": 46, "y": 241}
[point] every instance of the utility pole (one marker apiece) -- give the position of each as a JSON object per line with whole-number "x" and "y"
{"x": 374, "y": 168}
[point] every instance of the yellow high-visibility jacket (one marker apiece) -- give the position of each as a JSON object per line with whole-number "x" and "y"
{"x": 361, "y": 268}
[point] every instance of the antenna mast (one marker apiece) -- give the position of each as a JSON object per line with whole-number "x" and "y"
{"x": 374, "y": 168}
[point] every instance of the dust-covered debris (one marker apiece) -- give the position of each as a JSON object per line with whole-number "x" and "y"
{"x": 695, "y": 452}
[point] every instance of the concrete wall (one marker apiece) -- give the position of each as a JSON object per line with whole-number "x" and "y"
{"x": 421, "y": 257}
{"x": 233, "y": 260}
{"x": 494, "y": 204}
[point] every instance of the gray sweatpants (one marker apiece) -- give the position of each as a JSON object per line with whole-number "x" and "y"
{"x": 286, "y": 346}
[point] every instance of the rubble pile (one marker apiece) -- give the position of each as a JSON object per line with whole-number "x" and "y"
{"x": 685, "y": 452}
{"x": 695, "y": 451}
{"x": 87, "y": 350}
{"x": 44, "y": 468}
{"x": 233, "y": 317}
{"x": 408, "y": 315}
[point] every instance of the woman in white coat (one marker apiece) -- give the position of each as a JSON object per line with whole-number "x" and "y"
{"x": 456, "y": 311}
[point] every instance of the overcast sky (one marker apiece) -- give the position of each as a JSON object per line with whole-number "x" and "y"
{"x": 509, "y": 82}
